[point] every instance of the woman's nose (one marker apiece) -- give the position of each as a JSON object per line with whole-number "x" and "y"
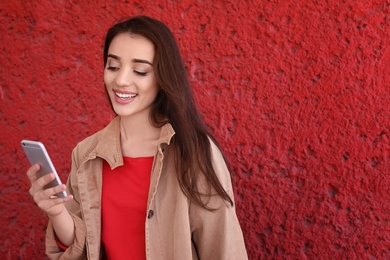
{"x": 124, "y": 78}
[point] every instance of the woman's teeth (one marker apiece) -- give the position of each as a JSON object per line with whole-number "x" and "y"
{"x": 125, "y": 96}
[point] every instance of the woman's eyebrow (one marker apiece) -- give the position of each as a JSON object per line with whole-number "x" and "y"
{"x": 113, "y": 56}
{"x": 133, "y": 60}
{"x": 142, "y": 61}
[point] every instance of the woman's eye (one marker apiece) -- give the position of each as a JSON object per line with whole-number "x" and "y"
{"x": 140, "y": 73}
{"x": 112, "y": 68}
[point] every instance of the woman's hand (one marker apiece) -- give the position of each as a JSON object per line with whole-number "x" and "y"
{"x": 54, "y": 207}
{"x": 45, "y": 198}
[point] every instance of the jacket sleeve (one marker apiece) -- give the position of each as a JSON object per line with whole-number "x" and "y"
{"x": 78, "y": 249}
{"x": 217, "y": 234}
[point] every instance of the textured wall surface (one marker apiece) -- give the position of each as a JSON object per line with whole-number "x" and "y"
{"x": 296, "y": 91}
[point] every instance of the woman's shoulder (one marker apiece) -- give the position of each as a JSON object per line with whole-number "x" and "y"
{"x": 220, "y": 165}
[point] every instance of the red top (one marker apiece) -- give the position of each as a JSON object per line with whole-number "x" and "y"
{"x": 124, "y": 200}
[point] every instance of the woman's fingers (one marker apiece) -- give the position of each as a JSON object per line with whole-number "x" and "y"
{"x": 49, "y": 205}
{"x": 49, "y": 202}
{"x": 46, "y": 199}
{"x": 38, "y": 184}
{"x": 32, "y": 172}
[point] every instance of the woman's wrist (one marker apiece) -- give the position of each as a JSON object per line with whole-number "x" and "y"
{"x": 63, "y": 227}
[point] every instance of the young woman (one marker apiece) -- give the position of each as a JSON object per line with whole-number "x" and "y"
{"x": 152, "y": 184}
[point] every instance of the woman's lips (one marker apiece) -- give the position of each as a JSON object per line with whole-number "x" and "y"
{"x": 124, "y": 97}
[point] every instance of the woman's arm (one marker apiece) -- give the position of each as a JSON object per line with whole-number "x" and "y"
{"x": 51, "y": 205}
{"x": 56, "y": 245}
{"x": 217, "y": 234}
{"x": 63, "y": 226}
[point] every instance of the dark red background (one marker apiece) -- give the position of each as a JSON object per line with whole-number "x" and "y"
{"x": 296, "y": 91}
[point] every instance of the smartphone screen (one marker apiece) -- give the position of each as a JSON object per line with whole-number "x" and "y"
{"x": 36, "y": 153}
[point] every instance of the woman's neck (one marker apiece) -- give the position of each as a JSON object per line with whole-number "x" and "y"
{"x": 139, "y": 138}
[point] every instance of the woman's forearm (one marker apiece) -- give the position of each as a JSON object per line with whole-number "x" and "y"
{"x": 64, "y": 227}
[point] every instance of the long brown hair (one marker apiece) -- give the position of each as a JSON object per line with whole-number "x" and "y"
{"x": 176, "y": 104}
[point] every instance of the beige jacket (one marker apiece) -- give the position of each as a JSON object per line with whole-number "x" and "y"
{"x": 175, "y": 228}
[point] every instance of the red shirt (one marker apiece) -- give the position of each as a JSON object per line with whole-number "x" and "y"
{"x": 124, "y": 198}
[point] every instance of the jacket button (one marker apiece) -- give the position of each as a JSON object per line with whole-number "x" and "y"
{"x": 150, "y": 214}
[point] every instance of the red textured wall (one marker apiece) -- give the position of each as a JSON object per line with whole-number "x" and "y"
{"x": 296, "y": 91}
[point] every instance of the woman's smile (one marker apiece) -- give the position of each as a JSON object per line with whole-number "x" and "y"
{"x": 122, "y": 97}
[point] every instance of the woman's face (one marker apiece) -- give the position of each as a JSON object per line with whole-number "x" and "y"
{"x": 129, "y": 75}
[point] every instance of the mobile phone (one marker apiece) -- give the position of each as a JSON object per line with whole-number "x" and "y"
{"x": 36, "y": 153}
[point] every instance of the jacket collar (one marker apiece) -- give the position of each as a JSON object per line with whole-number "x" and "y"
{"x": 108, "y": 146}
